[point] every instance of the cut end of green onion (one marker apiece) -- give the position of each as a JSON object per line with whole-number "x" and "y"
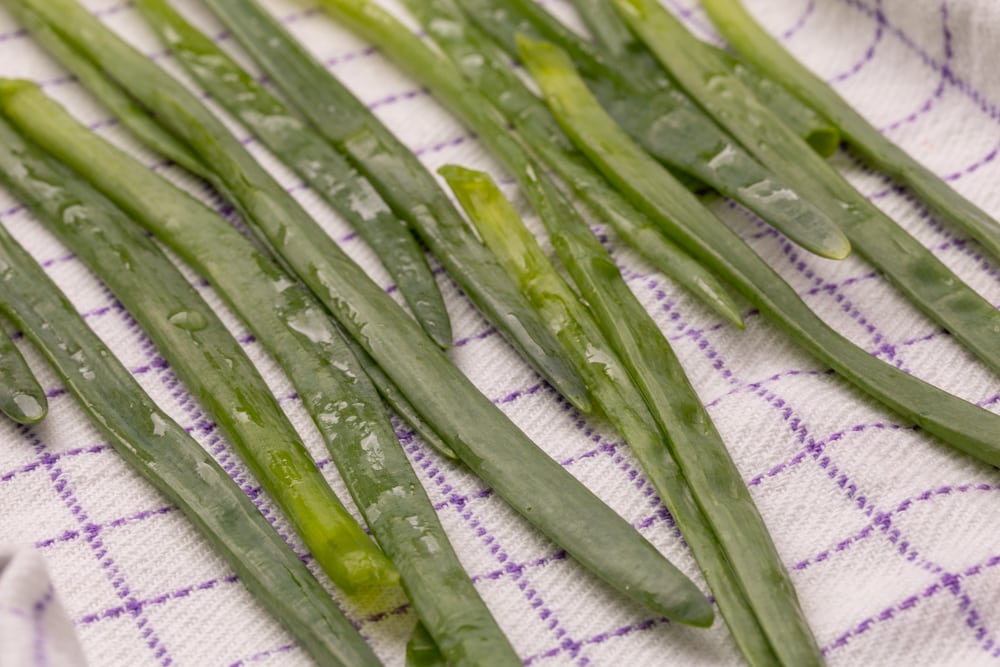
{"x": 25, "y": 408}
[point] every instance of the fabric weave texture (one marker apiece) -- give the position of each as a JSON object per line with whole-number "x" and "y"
{"x": 892, "y": 539}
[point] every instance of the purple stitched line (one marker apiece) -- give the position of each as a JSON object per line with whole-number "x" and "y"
{"x": 883, "y": 520}
{"x": 855, "y": 493}
{"x": 108, "y": 566}
{"x": 869, "y": 55}
{"x": 939, "y": 91}
{"x": 180, "y": 593}
{"x": 265, "y": 654}
{"x": 800, "y": 22}
{"x": 38, "y": 625}
{"x": 965, "y": 88}
{"x": 948, "y": 582}
{"x": 71, "y": 535}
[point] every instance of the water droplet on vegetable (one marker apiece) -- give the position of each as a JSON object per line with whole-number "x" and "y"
{"x": 189, "y": 320}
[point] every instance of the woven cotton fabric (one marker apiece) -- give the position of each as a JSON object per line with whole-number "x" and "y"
{"x": 892, "y": 538}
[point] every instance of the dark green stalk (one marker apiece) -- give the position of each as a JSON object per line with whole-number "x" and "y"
{"x": 199, "y": 348}
{"x": 395, "y": 399}
{"x": 148, "y": 131}
{"x": 613, "y": 390}
{"x": 306, "y": 152}
{"x": 402, "y": 181}
{"x": 130, "y": 113}
{"x": 762, "y": 50}
{"x": 917, "y": 273}
{"x": 614, "y": 36}
{"x": 448, "y": 86}
{"x": 482, "y": 63}
{"x": 669, "y": 125}
{"x": 957, "y": 422}
{"x": 162, "y": 452}
{"x": 21, "y": 397}
{"x": 476, "y": 430}
{"x": 295, "y": 329}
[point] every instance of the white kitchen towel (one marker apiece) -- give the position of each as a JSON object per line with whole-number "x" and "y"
{"x": 892, "y": 538}
{"x": 34, "y": 627}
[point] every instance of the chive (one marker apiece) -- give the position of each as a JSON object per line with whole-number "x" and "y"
{"x": 958, "y": 423}
{"x": 816, "y": 130}
{"x": 740, "y": 29}
{"x": 293, "y": 327}
{"x": 614, "y": 36}
{"x": 611, "y": 385}
{"x": 449, "y": 87}
{"x": 395, "y": 399}
{"x": 534, "y": 484}
{"x": 402, "y": 180}
{"x": 134, "y": 117}
{"x": 305, "y": 151}
{"x": 914, "y": 270}
{"x": 162, "y": 452}
{"x": 200, "y": 350}
{"x": 481, "y": 63}
{"x": 127, "y": 110}
{"x": 21, "y": 397}
{"x": 671, "y": 127}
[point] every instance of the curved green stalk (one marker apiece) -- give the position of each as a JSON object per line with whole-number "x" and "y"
{"x": 957, "y": 422}
{"x": 481, "y": 62}
{"x": 671, "y": 126}
{"x": 746, "y": 35}
{"x": 130, "y": 113}
{"x": 162, "y": 452}
{"x": 475, "y": 429}
{"x": 305, "y": 151}
{"x": 199, "y": 348}
{"x": 614, "y": 36}
{"x": 331, "y": 383}
{"x": 913, "y": 269}
{"x": 21, "y": 397}
{"x": 448, "y": 86}
{"x": 612, "y": 387}
{"x": 402, "y": 181}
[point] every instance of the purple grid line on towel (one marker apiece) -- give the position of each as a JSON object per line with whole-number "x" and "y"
{"x": 851, "y": 489}
{"x": 38, "y": 612}
{"x": 116, "y": 578}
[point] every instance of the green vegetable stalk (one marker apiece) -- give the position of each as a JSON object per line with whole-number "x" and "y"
{"x": 162, "y": 452}
{"x": 305, "y": 151}
{"x": 475, "y": 429}
{"x": 482, "y": 63}
{"x": 746, "y": 35}
{"x": 670, "y": 126}
{"x": 293, "y": 327}
{"x": 402, "y": 181}
{"x": 914, "y": 270}
{"x": 200, "y": 350}
{"x": 21, "y": 397}
{"x": 130, "y": 113}
{"x": 957, "y": 422}
{"x": 614, "y": 36}
{"x": 611, "y": 385}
